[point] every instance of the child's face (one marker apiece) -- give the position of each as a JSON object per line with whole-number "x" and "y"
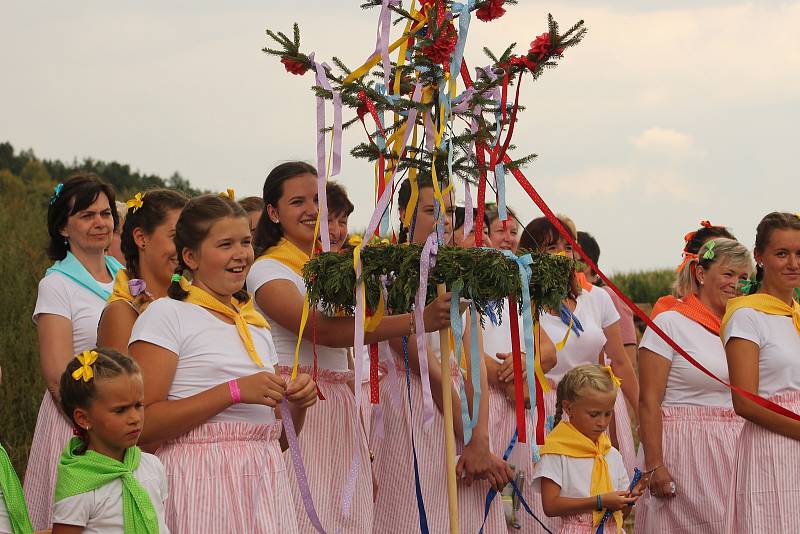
{"x": 296, "y": 210}
{"x": 115, "y": 417}
{"x": 591, "y": 412}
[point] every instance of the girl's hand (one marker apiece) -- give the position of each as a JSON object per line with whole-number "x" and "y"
{"x": 617, "y": 500}
{"x": 437, "y": 314}
{"x": 262, "y": 388}
{"x": 302, "y": 392}
{"x": 661, "y": 484}
{"x": 506, "y": 371}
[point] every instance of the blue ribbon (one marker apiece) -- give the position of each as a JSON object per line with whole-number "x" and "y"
{"x": 500, "y": 178}
{"x": 458, "y": 335}
{"x": 423, "y": 517}
{"x": 489, "y": 311}
{"x": 464, "y": 12}
{"x": 72, "y": 268}
{"x": 637, "y": 475}
{"x": 570, "y": 319}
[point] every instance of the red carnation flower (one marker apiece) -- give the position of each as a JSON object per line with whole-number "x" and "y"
{"x": 294, "y": 66}
{"x": 540, "y": 46}
{"x": 490, "y": 10}
{"x": 443, "y": 47}
{"x": 523, "y": 61}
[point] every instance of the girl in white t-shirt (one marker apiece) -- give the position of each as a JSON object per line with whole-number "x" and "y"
{"x": 761, "y": 333}
{"x": 687, "y": 423}
{"x": 149, "y": 249}
{"x": 106, "y": 485}
{"x": 211, "y": 387}
{"x": 80, "y": 220}
{"x": 581, "y": 475}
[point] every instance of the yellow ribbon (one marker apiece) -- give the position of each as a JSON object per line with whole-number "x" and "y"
{"x": 136, "y": 202}
{"x": 762, "y": 302}
{"x": 121, "y": 289}
{"x": 228, "y": 193}
{"x": 567, "y": 440}
{"x": 85, "y": 372}
{"x": 537, "y": 356}
{"x": 614, "y": 378}
{"x": 560, "y": 344}
{"x": 244, "y": 314}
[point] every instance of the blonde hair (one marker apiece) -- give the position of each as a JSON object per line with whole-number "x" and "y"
{"x": 569, "y": 223}
{"x": 725, "y": 251}
{"x": 122, "y": 211}
{"x": 577, "y": 380}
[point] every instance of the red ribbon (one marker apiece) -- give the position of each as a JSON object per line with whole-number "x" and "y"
{"x": 519, "y": 392}
{"x": 374, "y": 386}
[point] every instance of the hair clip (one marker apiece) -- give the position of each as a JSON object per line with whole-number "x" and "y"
{"x": 85, "y": 372}
{"x": 688, "y": 257}
{"x": 137, "y": 286}
{"x": 706, "y": 224}
{"x": 748, "y": 287}
{"x": 56, "y": 192}
{"x": 228, "y": 193}
{"x": 709, "y": 253}
{"x": 136, "y": 202}
{"x": 176, "y": 277}
{"x": 614, "y": 378}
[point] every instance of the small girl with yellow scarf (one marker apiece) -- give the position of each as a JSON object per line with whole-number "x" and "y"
{"x": 581, "y": 475}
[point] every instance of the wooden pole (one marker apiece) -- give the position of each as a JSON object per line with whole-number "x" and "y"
{"x": 449, "y": 433}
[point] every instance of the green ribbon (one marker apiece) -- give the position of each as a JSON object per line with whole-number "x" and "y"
{"x": 13, "y": 496}
{"x": 709, "y": 254}
{"x": 81, "y": 473}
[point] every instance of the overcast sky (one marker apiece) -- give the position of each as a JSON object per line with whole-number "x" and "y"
{"x": 666, "y": 114}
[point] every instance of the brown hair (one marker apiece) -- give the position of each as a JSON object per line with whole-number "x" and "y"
{"x": 577, "y": 380}
{"x": 491, "y": 213}
{"x": 252, "y": 204}
{"x": 196, "y": 220}
{"x": 80, "y": 394}
{"x": 76, "y": 193}
{"x": 424, "y": 180}
{"x": 156, "y": 203}
{"x": 772, "y": 221}
{"x": 268, "y": 233}
{"x": 338, "y": 203}
{"x": 540, "y": 233}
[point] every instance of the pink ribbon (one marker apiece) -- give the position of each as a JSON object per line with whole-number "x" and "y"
{"x": 426, "y": 261}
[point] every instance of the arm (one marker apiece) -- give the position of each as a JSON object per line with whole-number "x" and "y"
{"x": 116, "y": 324}
{"x": 621, "y": 365}
{"x": 743, "y": 356}
{"x": 653, "y": 370}
{"x": 55, "y": 349}
{"x": 505, "y": 369}
{"x": 283, "y": 303}
{"x": 554, "y": 505}
{"x": 59, "y": 528}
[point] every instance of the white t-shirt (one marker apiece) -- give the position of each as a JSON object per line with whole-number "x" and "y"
{"x": 574, "y": 475}
{"x": 497, "y": 338}
{"x": 5, "y": 522}
{"x": 685, "y": 383}
{"x": 779, "y": 346}
{"x": 210, "y": 352}
{"x": 100, "y": 511}
{"x": 582, "y": 349}
{"x": 264, "y": 271}
{"x": 602, "y": 303}
{"x": 58, "y": 295}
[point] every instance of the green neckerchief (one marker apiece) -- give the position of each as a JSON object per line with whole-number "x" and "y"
{"x": 13, "y": 496}
{"x": 81, "y": 473}
{"x": 73, "y": 269}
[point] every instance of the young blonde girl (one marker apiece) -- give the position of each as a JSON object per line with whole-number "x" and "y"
{"x": 581, "y": 476}
{"x": 105, "y": 483}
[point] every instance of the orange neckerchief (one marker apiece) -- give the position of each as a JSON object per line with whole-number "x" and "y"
{"x": 584, "y": 283}
{"x": 665, "y": 303}
{"x": 694, "y": 309}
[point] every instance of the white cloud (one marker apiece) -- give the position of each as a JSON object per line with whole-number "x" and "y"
{"x": 593, "y": 182}
{"x": 662, "y": 139}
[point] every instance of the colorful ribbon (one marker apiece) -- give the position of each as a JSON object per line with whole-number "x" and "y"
{"x": 426, "y": 262}
{"x": 423, "y": 517}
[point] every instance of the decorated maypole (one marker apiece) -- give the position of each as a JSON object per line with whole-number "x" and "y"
{"x": 420, "y": 121}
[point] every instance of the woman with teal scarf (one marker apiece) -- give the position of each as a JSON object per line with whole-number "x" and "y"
{"x": 80, "y": 220}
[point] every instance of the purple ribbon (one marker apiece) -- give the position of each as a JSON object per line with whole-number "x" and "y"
{"x": 299, "y": 468}
{"x": 426, "y": 261}
{"x": 137, "y": 286}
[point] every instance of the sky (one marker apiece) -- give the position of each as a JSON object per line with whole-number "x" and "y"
{"x": 666, "y": 114}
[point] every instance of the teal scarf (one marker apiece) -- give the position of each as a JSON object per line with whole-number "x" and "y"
{"x": 13, "y": 496}
{"x": 81, "y": 473}
{"x": 73, "y": 269}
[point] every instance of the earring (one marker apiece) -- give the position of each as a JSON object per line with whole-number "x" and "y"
{"x": 701, "y": 282}
{"x": 66, "y": 242}
{"x": 761, "y": 265}
{"x": 276, "y": 221}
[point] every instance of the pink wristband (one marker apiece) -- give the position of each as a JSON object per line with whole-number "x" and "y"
{"x": 236, "y": 395}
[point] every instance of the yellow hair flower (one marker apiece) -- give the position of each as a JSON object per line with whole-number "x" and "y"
{"x": 614, "y": 378}
{"x": 228, "y": 193}
{"x": 86, "y": 358}
{"x": 136, "y": 202}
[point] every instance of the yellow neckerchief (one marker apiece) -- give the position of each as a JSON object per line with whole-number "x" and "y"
{"x": 245, "y": 315}
{"x": 763, "y": 303}
{"x": 567, "y": 440}
{"x": 122, "y": 291}
{"x": 288, "y": 254}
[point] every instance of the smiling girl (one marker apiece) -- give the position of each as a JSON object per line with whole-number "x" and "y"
{"x": 149, "y": 249}
{"x": 80, "y": 220}
{"x": 106, "y": 485}
{"x": 210, "y": 383}
{"x": 761, "y": 333}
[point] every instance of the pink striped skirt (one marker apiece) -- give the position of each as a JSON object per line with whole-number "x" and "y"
{"x": 396, "y": 503}
{"x": 582, "y": 524}
{"x": 766, "y": 478}
{"x": 326, "y": 443}
{"x": 227, "y": 477}
{"x": 53, "y": 431}
{"x": 699, "y": 448}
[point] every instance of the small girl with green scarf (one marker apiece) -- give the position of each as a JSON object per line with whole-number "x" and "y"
{"x": 13, "y": 511}
{"x": 106, "y": 484}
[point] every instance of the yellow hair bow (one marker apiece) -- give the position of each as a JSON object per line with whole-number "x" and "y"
{"x": 136, "y": 202}
{"x": 614, "y": 378}
{"x": 355, "y": 240}
{"x": 87, "y": 358}
{"x": 228, "y": 193}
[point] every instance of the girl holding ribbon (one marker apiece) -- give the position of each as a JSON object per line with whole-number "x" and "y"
{"x": 339, "y": 473}
{"x": 414, "y": 436}
{"x": 761, "y": 333}
{"x": 210, "y": 385}
{"x": 106, "y": 485}
{"x": 80, "y": 220}
{"x": 687, "y": 424}
{"x": 581, "y": 475}
{"x": 149, "y": 248}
